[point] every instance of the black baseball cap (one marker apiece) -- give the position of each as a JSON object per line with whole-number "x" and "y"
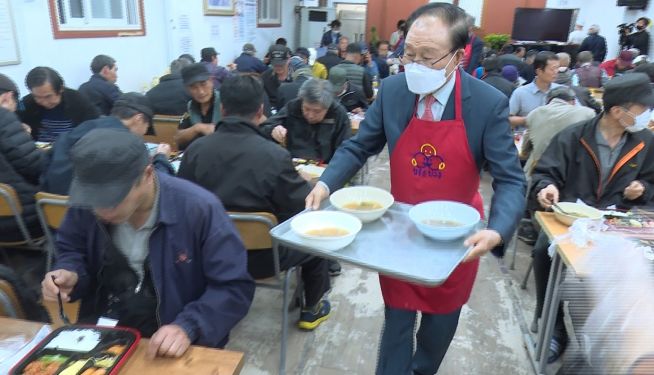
{"x": 137, "y": 102}
{"x": 206, "y": 54}
{"x": 279, "y": 54}
{"x": 628, "y": 88}
{"x": 303, "y": 52}
{"x": 106, "y": 165}
{"x": 195, "y": 73}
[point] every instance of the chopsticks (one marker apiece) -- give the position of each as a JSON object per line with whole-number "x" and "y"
{"x": 62, "y": 314}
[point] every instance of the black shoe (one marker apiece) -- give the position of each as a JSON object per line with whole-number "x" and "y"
{"x": 527, "y": 234}
{"x": 556, "y": 350}
{"x": 334, "y": 268}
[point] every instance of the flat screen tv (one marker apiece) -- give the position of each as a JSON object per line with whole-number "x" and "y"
{"x": 531, "y": 24}
{"x": 633, "y": 4}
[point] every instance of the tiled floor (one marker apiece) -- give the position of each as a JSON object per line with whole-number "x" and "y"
{"x": 488, "y": 340}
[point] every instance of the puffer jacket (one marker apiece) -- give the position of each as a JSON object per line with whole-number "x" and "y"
{"x": 21, "y": 164}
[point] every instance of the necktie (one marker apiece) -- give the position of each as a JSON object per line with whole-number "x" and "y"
{"x": 427, "y": 115}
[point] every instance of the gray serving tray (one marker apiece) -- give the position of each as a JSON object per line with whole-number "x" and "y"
{"x": 392, "y": 246}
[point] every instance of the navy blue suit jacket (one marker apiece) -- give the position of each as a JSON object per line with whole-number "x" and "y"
{"x": 485, "y": 113}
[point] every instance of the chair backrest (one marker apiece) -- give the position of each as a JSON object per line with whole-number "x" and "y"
{"x": 165, "y": 129}
{"x": 53, "y": 207}
{"x": 9, "y": 202}
{"x": 254, "y": 228}
{"x": 70, "y": 308}
{"x": 9, "y": 303}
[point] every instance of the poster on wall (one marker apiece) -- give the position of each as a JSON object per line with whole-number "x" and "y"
{"x": 245, "y": 21}
{"x": 9, "y": 54}
{"x": 219, "y": 7}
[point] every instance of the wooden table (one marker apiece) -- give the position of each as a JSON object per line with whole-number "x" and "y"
{"x": 566, "y": 253}
{"x": 196, "y": 360}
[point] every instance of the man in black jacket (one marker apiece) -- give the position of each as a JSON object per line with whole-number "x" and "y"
{"x": 349, "y": 96}
{"x": 52, "y": 109}
{"x": 280, "y": 73}
{"x": 494, "y": 76}
{"x": 331, "y": 58}
{"x": 203, "y": 110}
{"x": 313, "y": 125}
{"x": 594, "y": 43}
{"x": 608, "y": 160}
{"x": 250, "y": 173}
{"x": 101, "y": 88}
{"x": 21, "y": 164}
{"x": 640, "y": 38}
{"x": 170, "y": 96}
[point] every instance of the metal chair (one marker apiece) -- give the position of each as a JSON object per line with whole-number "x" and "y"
{"x": 254, "y": 228}
{"x": 10, "y": 206}
{"x": 51, "y": 209}
{"x": 9, "y": 303}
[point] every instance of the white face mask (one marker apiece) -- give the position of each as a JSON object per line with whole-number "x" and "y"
{"x": 423, "y": 80}
{"x": 640, "y": 122}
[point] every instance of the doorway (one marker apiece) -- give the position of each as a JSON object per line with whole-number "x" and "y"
{"x": 353, "y": 21}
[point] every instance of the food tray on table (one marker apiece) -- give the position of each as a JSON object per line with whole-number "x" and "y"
{"x": 636, "y": 223}
{"x": 80, "y": 350}
{"x": 391, "y": 245}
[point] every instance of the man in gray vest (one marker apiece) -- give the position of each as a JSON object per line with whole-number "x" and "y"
{"x": 356, "y": 74}
{"x": 203, "y": 110}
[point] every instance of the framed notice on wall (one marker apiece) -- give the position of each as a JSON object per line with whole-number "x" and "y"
{"x": 8, "y": 44}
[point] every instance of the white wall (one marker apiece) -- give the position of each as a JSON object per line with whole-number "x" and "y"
{"x": 218, "y": 31}
{"x": 607, "y": 15}
{"x": 139, "y": 59}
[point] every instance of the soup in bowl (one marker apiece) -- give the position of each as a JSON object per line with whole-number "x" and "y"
{"x": 444, "y": 220}
{"x": 365, "y": 202}
{"x": 326, "y": 230}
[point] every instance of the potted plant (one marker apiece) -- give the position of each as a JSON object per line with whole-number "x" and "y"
{"x": 496, "y": 41}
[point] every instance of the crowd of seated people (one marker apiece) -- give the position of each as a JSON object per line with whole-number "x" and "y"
{"x": 126, "y": 200}
{"x": 286, "y": 105}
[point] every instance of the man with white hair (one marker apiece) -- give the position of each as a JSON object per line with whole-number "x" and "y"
{"x": 313, "y": 125}
{"x": 594, "y": 43}
{"x": 578, "y": 35}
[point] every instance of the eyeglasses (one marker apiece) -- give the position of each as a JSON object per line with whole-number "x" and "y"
{"x": 406, "y": 59}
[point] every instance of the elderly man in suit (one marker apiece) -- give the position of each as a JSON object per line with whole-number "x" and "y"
{"x": 435, "y": 109}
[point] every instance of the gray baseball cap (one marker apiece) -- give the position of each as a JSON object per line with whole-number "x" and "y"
{"x": 106, "y": 165}
{"x": 338, "y": 77}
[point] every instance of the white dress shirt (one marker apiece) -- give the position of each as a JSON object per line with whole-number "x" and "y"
{"x": 442, "y": 95}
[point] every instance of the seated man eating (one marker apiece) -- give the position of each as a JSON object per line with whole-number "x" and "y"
{"x": 250, "y": 173}
{"x": 607, "y": 160}
{"x": 313, "y": 125}
{"x": 150, "y": 251}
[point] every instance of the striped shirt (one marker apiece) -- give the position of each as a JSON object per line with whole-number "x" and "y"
{"x": 53, "y": 124}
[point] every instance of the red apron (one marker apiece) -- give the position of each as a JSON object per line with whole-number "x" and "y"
{"x": 432, "y": 161}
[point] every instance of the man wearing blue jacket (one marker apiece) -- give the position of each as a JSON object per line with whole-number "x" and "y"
{"x": 442, "y": 127}
{"x": 147, "y": 250}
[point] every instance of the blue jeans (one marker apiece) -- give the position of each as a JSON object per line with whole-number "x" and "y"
{"x": 396, "y": 356}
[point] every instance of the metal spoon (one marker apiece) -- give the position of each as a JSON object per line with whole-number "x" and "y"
{"x": 561, "y": 210}
{"x": 62, "y": 314}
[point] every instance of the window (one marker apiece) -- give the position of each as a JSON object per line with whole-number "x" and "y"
{"x": 96, "y": 18}
{"x": 269, "y": 13}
